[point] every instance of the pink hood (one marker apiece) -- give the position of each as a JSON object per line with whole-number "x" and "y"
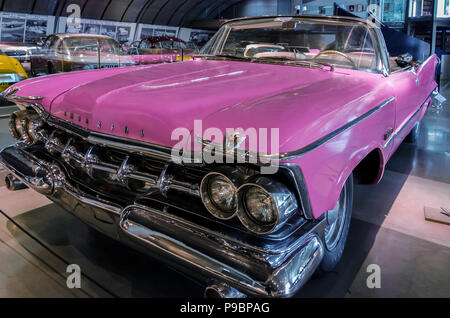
{"x": 305, "y": 104}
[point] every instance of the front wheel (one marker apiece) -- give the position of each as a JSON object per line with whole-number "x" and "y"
{"x": 336, "y": 228}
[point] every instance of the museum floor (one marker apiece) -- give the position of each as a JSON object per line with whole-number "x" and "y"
{"x": 38, "y": 239}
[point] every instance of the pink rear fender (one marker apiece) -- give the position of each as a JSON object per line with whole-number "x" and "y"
{"x": 426, "y": 73}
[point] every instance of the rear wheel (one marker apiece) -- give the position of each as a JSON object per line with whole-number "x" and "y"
{"x": 336, "y": 228}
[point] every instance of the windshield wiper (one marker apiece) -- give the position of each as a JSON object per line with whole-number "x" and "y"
{"x": 225, "y": 57}
{"x": 297, "y": 62}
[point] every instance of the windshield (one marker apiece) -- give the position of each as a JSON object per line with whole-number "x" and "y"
{"x": 346, "y": 44}
{"x": 80, "y": 45}
{"x": 146, "y": 44}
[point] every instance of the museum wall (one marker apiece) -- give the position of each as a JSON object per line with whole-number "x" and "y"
{"x": 21, "y": 27}
{"x": 251, "y": 8}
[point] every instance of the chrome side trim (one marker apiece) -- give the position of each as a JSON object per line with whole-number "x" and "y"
{"x": 247, "y": 155}
{"x": 305, "y": 150}
{"x": 161, "y": 152}
{"x": 399, "y": 130}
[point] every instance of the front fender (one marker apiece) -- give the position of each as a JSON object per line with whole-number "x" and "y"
{"x": 327, "y": 168}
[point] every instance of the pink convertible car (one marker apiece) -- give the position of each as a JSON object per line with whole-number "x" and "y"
{"x": 118, "y": 148}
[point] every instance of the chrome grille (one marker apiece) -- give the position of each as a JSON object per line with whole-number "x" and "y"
{"x": 138, "y": 173}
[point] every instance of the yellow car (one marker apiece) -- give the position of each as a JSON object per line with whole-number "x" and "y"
{"x": 11, "y": 71}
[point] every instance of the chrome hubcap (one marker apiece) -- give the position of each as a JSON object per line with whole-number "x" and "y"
{"x": 335, "y": 222}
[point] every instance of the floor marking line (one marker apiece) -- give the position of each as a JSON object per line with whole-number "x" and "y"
{"x": 53, "y": 253}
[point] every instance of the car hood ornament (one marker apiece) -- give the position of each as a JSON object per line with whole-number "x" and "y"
{"x": 233, "y": 141}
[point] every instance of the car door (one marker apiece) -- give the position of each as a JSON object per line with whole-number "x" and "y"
{"x": 406, "y": 87}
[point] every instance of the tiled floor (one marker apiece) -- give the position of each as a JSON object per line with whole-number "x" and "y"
{"x": 388, "y": 229}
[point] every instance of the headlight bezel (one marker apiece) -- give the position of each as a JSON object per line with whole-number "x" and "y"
{"x": 283, "y": 201}
{"x": 269, "y": 206}
{"x": 281, "y": 205}
{"x": 247, "y": 218}
{"x": 210, "y": 204}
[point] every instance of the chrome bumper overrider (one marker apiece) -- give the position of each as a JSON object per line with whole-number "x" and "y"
{"x": 148, "y": 226}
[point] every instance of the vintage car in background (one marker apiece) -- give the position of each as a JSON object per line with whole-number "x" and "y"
{"x": 21, "y": 52}
{"x": 160, "y": 49}
{"x": 193, "y": 46}
{"x": 101, "y": 144}
{"x": 74, "y": 52}
{"x": 11, "y": 72}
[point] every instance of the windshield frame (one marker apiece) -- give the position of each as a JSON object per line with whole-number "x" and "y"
{"x": 218, "y": 41}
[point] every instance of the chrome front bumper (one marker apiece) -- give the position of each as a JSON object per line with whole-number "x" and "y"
{"x": 148, "y": 226}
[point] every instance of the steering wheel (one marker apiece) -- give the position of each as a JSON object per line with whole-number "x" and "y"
{"x": 338, "y": 53}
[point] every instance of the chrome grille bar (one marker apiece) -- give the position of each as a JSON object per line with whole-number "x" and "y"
{"x": 121, "y": 173}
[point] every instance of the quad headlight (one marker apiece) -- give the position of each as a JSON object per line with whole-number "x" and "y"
{"x": 219, "y": 195}
{"x": 262, "y": 204}
{"x": 265, "y": 205}
{"x": 259, "y": 205}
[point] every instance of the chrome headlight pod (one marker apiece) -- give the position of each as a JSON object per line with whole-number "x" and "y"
{"x": 219, "y": 195}
{"x": 25, "y": 125}
{"x": 265, "y": 205}
{"x": 15, "y": 125}
{"x": 33, "y": 126}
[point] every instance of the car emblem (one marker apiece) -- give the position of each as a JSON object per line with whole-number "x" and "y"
{"x": 234, "y": 141}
